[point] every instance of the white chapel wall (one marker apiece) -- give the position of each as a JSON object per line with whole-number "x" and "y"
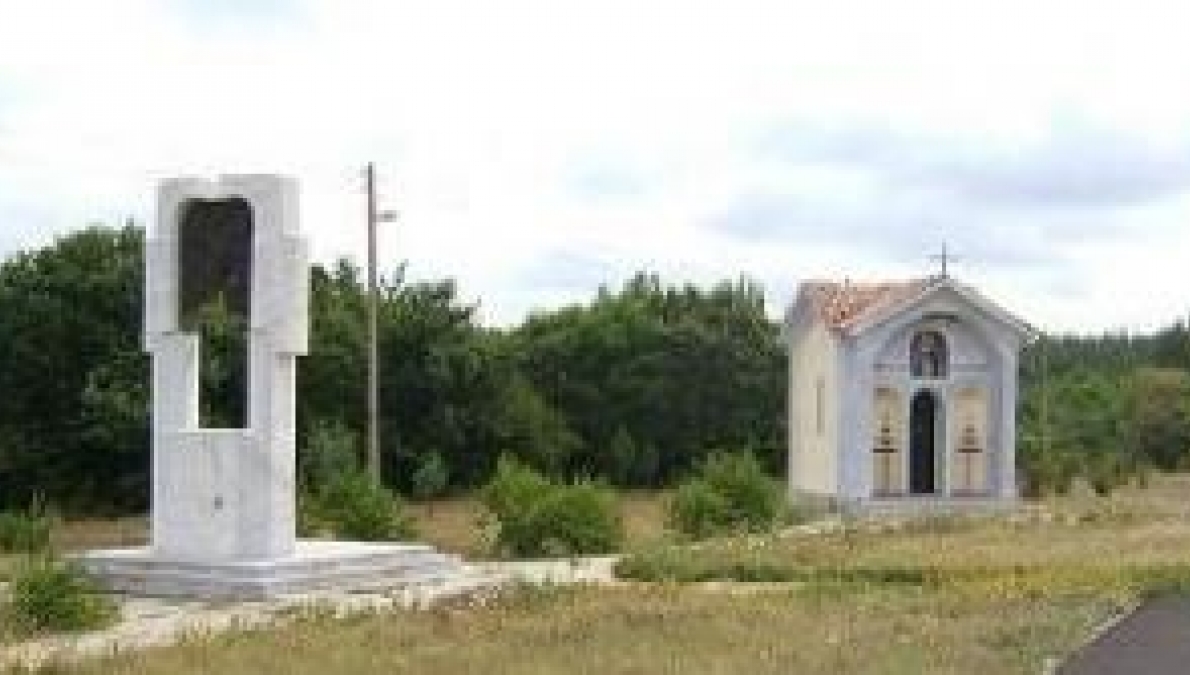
{"x": 814, "y": 399}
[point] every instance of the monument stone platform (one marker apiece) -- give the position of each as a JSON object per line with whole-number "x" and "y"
{"x": 314, "y": 565}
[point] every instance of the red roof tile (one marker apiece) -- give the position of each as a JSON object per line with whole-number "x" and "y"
{"x": 840, "y": 305}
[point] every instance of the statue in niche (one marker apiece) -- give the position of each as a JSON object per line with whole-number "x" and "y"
{"x": 927, "y": 355}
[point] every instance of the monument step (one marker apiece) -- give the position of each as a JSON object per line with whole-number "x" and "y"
{"x": 315, "y": 565}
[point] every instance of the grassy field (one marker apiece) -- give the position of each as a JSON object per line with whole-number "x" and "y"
{"x": 941, "y": 595}
{"x": 657, "y": 629}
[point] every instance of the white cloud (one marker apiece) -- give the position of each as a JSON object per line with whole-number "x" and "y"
{"x": 485, "y": 117}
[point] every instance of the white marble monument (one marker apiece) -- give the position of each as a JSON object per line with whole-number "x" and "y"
{"x": 223, "y": 516}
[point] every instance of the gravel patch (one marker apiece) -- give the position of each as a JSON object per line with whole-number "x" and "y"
{"x": 589, "y": 570}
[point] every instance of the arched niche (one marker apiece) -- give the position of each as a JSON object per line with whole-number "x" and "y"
{"x": 929, "y": 354}
{"x": 969, "y": 468}
{"x": 968, "y": 347}
{"x": 887, "y": 435}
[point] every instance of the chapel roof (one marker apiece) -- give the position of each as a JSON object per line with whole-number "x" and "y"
{"x": 843, "y": 304}
{"x": 849, "y": 307}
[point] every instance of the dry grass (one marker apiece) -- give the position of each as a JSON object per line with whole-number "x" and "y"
{"x": 644, "y": 517}
{"x": 1134, "y": 529}
{"x": 77, "y": 535}
{"x": 1012, "y": 592}
{"x": 454, "y": 525}
{"x": 659, "y": 629}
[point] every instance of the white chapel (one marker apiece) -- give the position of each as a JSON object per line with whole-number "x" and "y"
{"x": 902, "y": 393}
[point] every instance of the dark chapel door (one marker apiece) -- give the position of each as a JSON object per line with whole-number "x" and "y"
{"x": 923, "y": 418}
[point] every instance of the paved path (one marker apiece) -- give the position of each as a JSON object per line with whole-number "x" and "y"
{"x": 1153, "y": 640}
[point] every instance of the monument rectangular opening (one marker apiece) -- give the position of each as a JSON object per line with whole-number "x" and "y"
{"x": 215, "y": 301}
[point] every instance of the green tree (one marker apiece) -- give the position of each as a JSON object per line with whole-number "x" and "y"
{"x": 679, "y": 369}
{"x": 73, "y": 426}
{"x": 1156, "y": 415}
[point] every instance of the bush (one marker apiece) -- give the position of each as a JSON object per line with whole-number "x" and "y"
{"x": 50, "y": 595}
{"x": 1106, "y": 472}
{"x": 330, "y": 452}
{"x": 514, "y": 487}
{"x": 535, "y": 516}
{"x": 25, "y": 532}
{"x": 431, "y": 477}
{"x": 354, "y": 507}
{"x": 1050, "y": 473}
{"x": 731, "y": 493}
{"x": 579, "y": 518}
{"x": 698, "y": 511}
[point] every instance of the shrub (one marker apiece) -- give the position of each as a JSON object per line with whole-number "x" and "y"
{"x": 50, "y": 595}
{"x": 1050, "y": 473}
{"x": 330, "y": 452}
{"x": 431, "y": 477}
{"x": 754, "y": 499}
{"x": 513, "y": 489}
{"x": 354, "y": 507}
{"x": 23, "y": 533}
{"x": 698, "y": 511}
{"x": 1106, "y": 473}
{"x": 535, "y": 516}
{"x": 731, "y": 493}
{"x": 578, "y": 518}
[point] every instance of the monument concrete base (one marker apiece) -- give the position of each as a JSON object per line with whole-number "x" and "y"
{"x": 313, "y": 566}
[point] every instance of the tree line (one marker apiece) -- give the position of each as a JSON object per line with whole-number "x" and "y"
{"x": 635, "y": 387}
{"x": 1107, "y": 409}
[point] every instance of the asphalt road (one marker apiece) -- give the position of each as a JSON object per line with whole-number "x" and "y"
{"x": 1153, "y": 640}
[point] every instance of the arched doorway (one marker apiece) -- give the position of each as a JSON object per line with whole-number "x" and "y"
{"x": 924, "y": 417}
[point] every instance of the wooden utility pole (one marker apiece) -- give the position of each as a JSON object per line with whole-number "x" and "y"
{"x": 1045, "y": 396}
{"x": 373, "y": 308}
{"x": 374, "y": 216}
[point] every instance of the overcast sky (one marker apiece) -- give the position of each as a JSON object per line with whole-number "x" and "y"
{"x": 538, "y": 149}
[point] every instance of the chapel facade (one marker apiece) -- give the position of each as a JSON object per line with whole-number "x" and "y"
{"x": 902, "y": 393}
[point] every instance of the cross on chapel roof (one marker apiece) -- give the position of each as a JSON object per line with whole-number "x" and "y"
{"x": 944, "y": 259}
